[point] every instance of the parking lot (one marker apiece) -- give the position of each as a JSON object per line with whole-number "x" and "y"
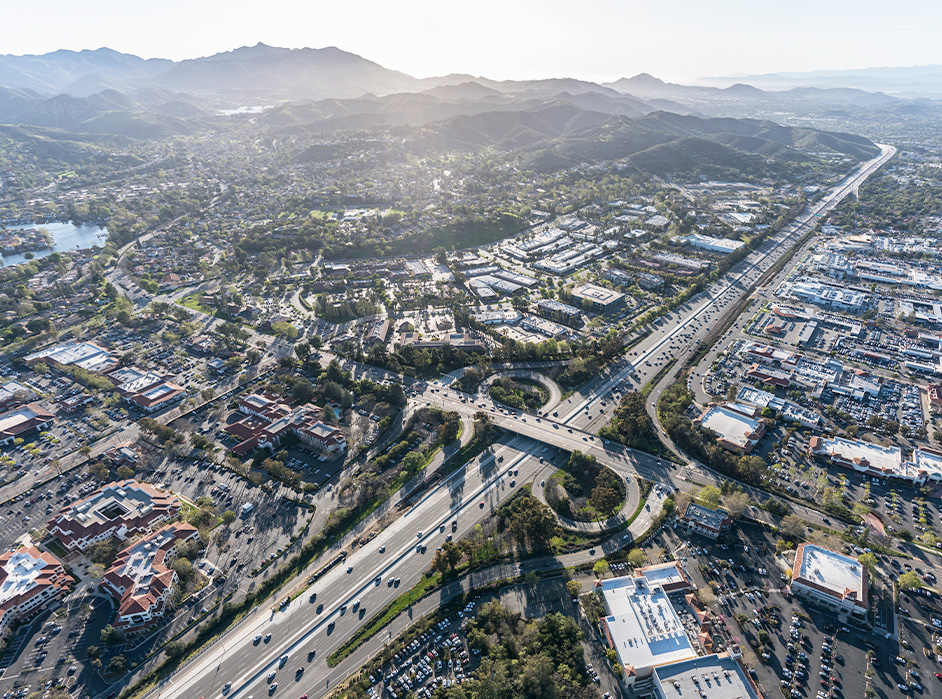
{"x": 806, "y": 647}
{"x": 54, "y": 647}
{"x": 250, "y": 540}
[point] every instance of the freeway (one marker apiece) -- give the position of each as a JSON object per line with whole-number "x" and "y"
{"x": 471, "y": 494}
{"x": 680, "y": 332}
{"x": 452, "y": 508}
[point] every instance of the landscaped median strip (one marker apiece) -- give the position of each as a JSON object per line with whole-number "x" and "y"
{"x": 427, "y": 584}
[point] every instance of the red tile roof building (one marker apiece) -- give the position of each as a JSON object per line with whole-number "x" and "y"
{"x": 29, "y": 580}
{"x": 831, "y": 580}
{"x": 142, "y": 579}
{"x": 120, "y": 510}
{"x": 772, "y": 377}
{"x": 267, "y": 421}
{"x": 934, "y": 394}
{"x": 22, "y": 421}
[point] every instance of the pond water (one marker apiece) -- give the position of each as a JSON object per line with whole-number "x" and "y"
{"x": 255, "y": 109}
{"x": 67, "y": 236}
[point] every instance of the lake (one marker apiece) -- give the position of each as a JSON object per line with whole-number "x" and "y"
{"x": 256, "y": 109}
{"x": 66, "y": 236}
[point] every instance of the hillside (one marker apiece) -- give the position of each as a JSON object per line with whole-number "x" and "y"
{"x": 562, "y": 135}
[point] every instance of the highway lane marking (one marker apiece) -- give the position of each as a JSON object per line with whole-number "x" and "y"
{"x": 795, "y": 227}
{"x": 775, "y": 249}
{"x": 280, "y": 617}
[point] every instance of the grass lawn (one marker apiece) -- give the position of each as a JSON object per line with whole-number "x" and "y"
{"x": 55, "y": 548}
{"x": 192, "y": 302}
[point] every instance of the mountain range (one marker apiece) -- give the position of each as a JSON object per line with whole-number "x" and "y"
{"x": 907, "y": 81}
{"x": 104, "y": 91}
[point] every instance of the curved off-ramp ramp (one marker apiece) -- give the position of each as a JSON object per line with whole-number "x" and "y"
{"x": 632, "y": 498}
{"x": 556, "y": 393}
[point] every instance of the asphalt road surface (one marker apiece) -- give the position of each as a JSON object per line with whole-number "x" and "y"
{"x": 467, "y": 498}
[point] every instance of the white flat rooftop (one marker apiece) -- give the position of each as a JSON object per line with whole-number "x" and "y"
{"x": 833, "y": 571}
{"x": 664, "y": 574}
{"x": 883, "y": 458}
{"x": 709, "y": 676}
{"x": 22, "y": 571}
{"x": 730, "y": 425}
{"x": 645, "y": 629}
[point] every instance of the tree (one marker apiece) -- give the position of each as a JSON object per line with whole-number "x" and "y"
{"x": 869, "y": 561}
{"x": 581, "y": 463}
{"x": 600, "y": 568}
{"x": 174, "y": 649}
{"x": 183, "y": 568}
{"x": 530, "y": 521}
{"x": 909, "y": 580}
{"x": 737, "y": 503}
{"x": 117, "y": 664}
{"x": 709, "y": 496}
{"x": 793, "y": 527}
{"x": 228, "y": 516}
{"x": 99, "y": 470}
{"x": 413, "y": 461}
{"x": 125, "y": 472}
{"x": 111, "y": 636}
{"x": 285, "y": 330}
{"x": 637, "y": 558}
{"x": 605, "y": 499}
{"x": 302, "y": 350}
{"x": 482, "y": 426}
{"x": 573, "y": 588}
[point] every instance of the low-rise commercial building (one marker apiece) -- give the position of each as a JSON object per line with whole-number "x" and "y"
{"x": 118, "y": 510}
{"x": 706, "y": 522}
{"x": 770, "y": 376}
{"x": 267, "y": 421}
{"x": 463, "y": 341}
{"x": 543, "y": 326}
{"x": 735, "y": 430}
{"x": 706, "y": 677}
{"x": 22, "y": 421}
{"x": 671, "y": 576}
{"x": 599, "y": 298}
{"x": 642, "y": 626}
{"x": 830, "y": 297}
{"x": 30, "y": 580}
{"x": 857, "y": 454}
{"x": 711, "y": 243}
{"x": 141, "y": 579}
{"x": 84, "y": 355}
{"x": 831, "y": 580}
{"x": 559, "y": 311}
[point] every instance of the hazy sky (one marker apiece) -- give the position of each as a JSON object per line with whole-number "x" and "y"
{"x": 590, "y": 39}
